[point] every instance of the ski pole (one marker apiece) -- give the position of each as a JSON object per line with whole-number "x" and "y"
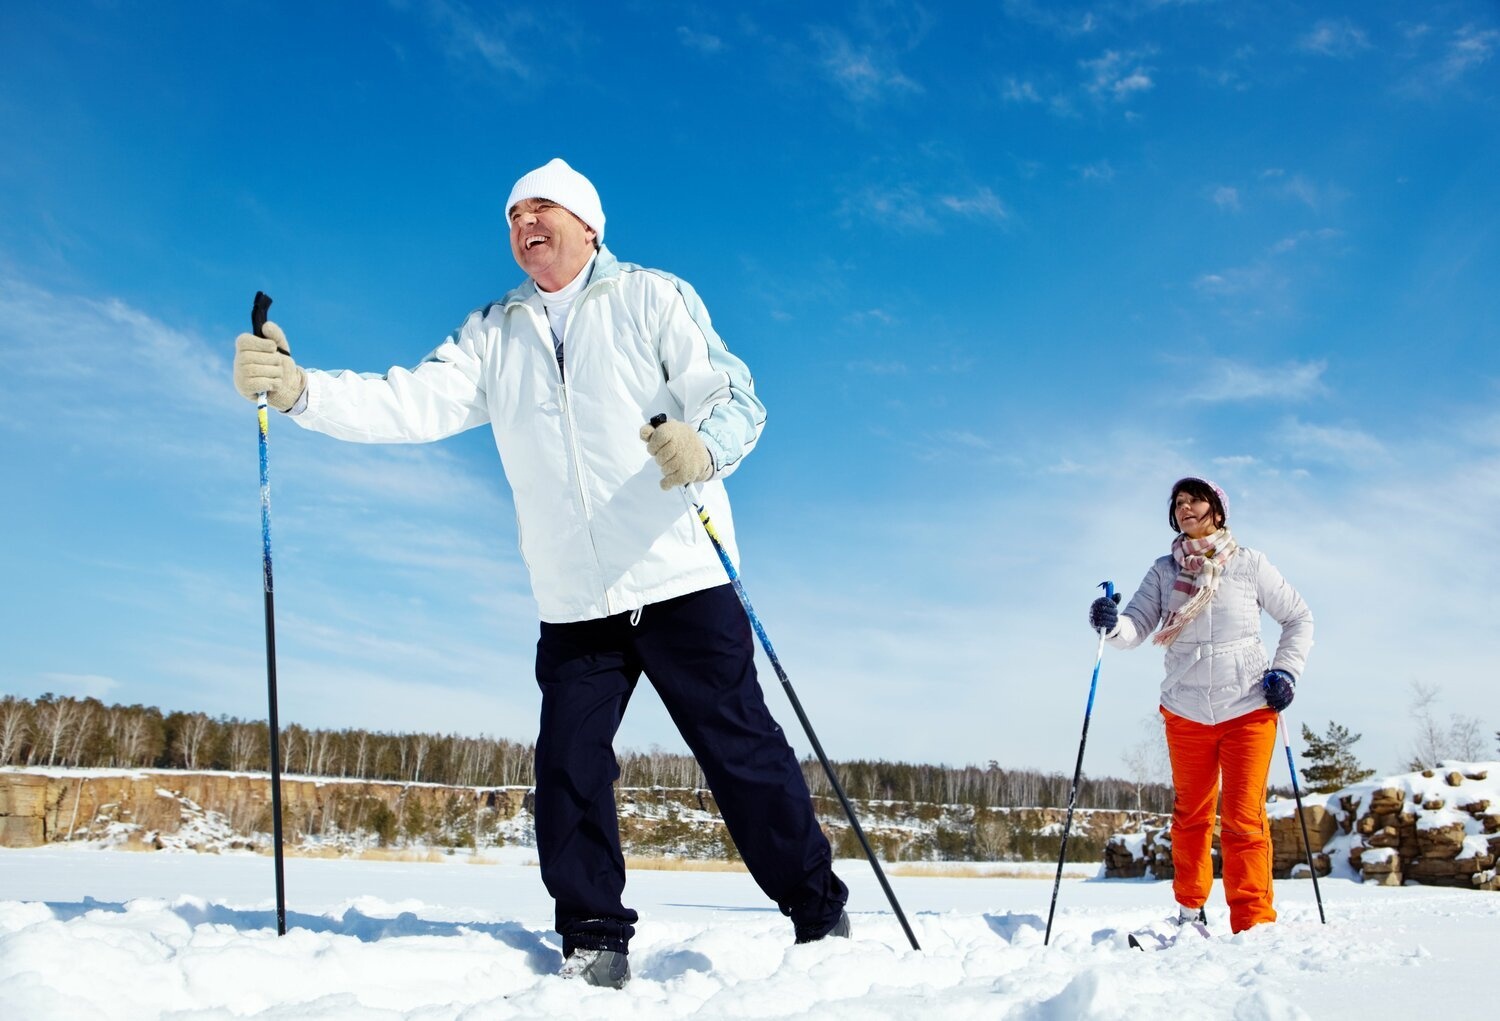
{"x": 1062, "y": 855}
{"x": 257, "y": 322}
{"x": 1297, "y": 793}
{"x": 765, "y": 642}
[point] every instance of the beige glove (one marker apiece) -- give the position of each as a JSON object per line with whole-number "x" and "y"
{"x": 679, "y": 453}
{"x": 264, "y": 365}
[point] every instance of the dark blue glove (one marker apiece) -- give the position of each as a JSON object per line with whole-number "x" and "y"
{"x": 1104, "y": 613}
{"x": 1279, "y": 688}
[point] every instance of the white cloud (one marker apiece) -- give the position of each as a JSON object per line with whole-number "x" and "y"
{"x": 78, "y": 685}
{"x": 1015, "y": 91}
{"x": 1293, "y": 241}
{"x": 884, "y": 367}
{"x": 1235, "y": 381}
{"x": 1331, "y": 444}
{"x": 1100, "y": 171}
{"x": 468, "y": 35}
{"x": 1115, "y": 75}
{"x": 981, "y": 205}
{"x": 1469, "y": 48}
{"x": 1446, "y": 62}
{"x": 864, "y": 73}
{"x": 1334, "y": 38}
{"x": 899, "y": 206}
{"x": 703, "y": 42}
{"x": 910, "y": 208}
{"x": 1226, "y": 197}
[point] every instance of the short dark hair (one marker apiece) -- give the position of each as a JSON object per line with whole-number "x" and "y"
{"x": 1198, "y": 490}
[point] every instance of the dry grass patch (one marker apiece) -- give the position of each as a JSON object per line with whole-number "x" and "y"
{"x": 402, "y": 854}
{"x": 970, "y": 870}
{"x": 684, "y": 865}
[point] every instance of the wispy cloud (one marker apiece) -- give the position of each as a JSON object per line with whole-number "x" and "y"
{"x": 84, "y": 685}
{"x": 1302, "y": 237}
{"x": 1117, "y": 76}
{"x": 1265, "y": 284}
{"x": 908, "y": 207}
{"x": 1100, "y": 171}
{"x": 1228, "y": 380}
{"x": 864, "y": 72}
{"x": 1469, "y": 48}
{"x": 1334, "y": 37}
{"x": 468, "y": 35}
{"x": 1015, "y": 90}
{"x": 1347, "y": 446}
{"x": 884, "y": 367}
{"x": 1457, "y": 56}
{"x": 1226, "y": 197}
{"x": 703, "y": 42}
{"x": 982, "y": 204}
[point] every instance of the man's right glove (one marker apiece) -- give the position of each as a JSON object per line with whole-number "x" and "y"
{"x": 263, "y": 365}
{"x": 1104, "y": 613}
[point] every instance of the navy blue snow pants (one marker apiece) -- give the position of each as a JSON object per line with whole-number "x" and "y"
{"x": 697, "y": 650}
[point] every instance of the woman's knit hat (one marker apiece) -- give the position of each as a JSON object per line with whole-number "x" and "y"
{"x": 560, "y": 183}
{"x": 1202, "y": 487}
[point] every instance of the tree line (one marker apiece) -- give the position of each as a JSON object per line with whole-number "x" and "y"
{"x": 58, "y": 730}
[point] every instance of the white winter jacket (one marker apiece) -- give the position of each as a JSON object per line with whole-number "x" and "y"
{"x": 596, "y": 531}
{"x": 1215, "y": 666}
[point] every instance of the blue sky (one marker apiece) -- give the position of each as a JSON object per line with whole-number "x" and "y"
{"x": 1002, "y": 272}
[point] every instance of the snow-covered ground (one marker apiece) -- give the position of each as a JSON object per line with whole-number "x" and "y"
{"x": 90, "y": 934}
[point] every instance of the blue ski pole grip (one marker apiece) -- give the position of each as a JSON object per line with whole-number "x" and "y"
{"x": 258, "y": 312}
{"x": 1109, "y": 589}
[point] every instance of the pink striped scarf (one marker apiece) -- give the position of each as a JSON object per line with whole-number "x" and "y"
{"x": 1200, "y": 565}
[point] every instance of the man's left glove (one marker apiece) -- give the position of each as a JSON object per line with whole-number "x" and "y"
{"x": 1279, "y": 688}
{"x": 679, "y": 453}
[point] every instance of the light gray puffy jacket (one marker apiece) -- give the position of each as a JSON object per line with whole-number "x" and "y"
{"x": 1215, "y": 666}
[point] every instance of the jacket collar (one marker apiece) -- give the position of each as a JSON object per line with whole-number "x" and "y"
{"x": 606, "y": 268}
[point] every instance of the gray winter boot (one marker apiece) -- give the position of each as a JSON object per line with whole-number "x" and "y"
{"x": 1189, "y": 916}
{"x": 598, "y": 968}
{"x": 841, "y": 929}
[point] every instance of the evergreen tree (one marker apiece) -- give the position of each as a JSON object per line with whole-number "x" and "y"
{"x": 1332, "y": 765}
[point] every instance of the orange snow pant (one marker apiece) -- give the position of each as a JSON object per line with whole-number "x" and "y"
{"x": 1240, "y": 751}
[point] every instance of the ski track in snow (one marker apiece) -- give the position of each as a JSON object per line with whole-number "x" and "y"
{"x": 179, "y": 936}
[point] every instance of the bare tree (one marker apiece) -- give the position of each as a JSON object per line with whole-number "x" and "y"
{"x": 1465, "y": 741}
{"x": 1459, "y": 739}
{"x": 15, "y": 725}
{"x": 244, "y": 739}
{"x": 192, "y": 739}
{"x": 83, "y": 724}
{"x": 52, "y": 722}
{"x": 421, "y": 744}
{"x": 1147, "y": 762}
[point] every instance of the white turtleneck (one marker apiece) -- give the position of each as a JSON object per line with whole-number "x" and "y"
{"x": 560, "y": 302}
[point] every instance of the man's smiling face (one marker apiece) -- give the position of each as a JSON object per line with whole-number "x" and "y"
{"x": 549, "y": 242}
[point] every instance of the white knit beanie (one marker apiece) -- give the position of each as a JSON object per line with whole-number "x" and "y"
{"x": 560, "y": 183}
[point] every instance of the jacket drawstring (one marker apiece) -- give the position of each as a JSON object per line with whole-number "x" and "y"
{"x": 635, "y": 616}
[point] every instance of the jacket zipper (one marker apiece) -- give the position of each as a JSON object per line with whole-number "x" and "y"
{"x": 577, "y": 456}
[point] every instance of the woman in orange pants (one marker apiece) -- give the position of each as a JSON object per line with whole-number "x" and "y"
{"x": 1221, "y": 695}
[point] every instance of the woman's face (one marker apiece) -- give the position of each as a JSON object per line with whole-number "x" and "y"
{"x": 1195, "y": 516}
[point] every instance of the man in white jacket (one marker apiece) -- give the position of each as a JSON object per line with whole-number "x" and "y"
{"x": 568, "y": 369}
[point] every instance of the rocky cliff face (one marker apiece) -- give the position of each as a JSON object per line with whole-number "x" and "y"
{"x": 200, "y": 811}
{"x": 213, "y": 811}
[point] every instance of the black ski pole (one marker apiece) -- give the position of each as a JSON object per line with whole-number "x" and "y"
{"x": 1297, "y": 793}
{"x": 1062, "y": 855}
{"x": 765, "y": 641}
{"x": 257, "y": 322}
